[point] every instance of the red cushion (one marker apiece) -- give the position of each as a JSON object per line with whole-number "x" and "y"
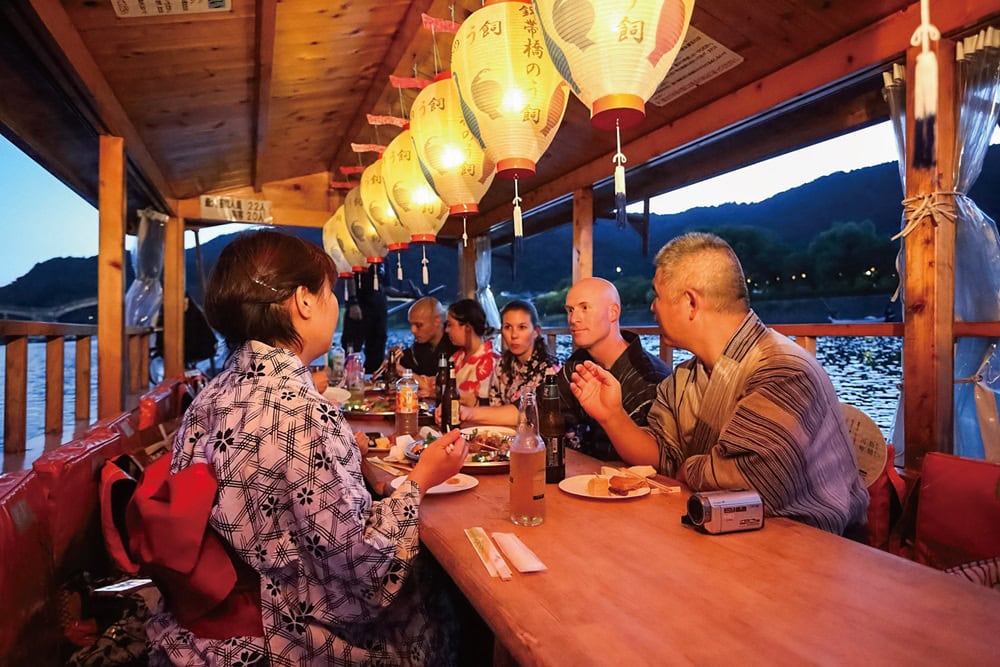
{"x": 161, "y": 403}
{"x": 26, "y": 576}
{"x": 958, "y": 512}
{"x": 69, "y": 477}
{"x": 126, "y": 426}
{"x": 885, "y": 505}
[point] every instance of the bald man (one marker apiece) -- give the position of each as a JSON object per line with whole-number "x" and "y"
{"x": 751, "y": 410}
{"x": 593, "y": 311}
{"x": 427, "y": 317}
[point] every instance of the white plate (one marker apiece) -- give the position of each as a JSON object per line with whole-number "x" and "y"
{"x": 577, "y": 486}
{"x": 454, "y": 484}
{"x": 502, "y": 430}
{"x": 336, "y": 395}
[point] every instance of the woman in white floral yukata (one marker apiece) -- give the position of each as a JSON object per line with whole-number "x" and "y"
{"x": 475, "y": 359}
{"x": 340, "y": 578}
{"x": 523, "y": 365}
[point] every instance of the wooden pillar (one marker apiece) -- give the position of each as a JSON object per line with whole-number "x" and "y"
{"x": 173, "y": 299}
{"x": 583, "y": 233}
{"x": 928, "y": 319}
{"x": 55, "y": 347}
{"x": 111, "y": 278}
{"x": 82, "y": 393}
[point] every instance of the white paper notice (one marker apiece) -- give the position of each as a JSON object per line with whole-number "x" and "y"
{"x": 139, "y": 8}
{"x": 700, "y": 59}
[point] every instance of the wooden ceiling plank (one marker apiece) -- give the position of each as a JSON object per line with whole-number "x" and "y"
{"x": 53, "y": 16}
{"x": 264, "y": 61}
{"x": 409, "y": 27}
{"x": 864, "y": 50}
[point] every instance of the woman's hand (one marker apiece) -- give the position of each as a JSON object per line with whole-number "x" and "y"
{"x": 363, "y": 443}
{"x": 440, "y": 460}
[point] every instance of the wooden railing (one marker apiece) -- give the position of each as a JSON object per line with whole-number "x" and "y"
{"x": 806, "y": 334}
{"x": 15, "y": 335}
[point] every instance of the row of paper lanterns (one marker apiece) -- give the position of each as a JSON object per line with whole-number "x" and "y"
{"x": 497, "y": 111}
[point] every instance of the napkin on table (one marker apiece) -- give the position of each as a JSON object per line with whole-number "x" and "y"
{"x": 523, "y": 558}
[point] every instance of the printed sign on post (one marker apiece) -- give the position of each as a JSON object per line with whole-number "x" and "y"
{"x": 233, "y": 209}
{"x": 140, "y": 8}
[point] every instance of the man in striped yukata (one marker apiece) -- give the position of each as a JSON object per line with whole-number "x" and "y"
{"x": 751, "y": 410}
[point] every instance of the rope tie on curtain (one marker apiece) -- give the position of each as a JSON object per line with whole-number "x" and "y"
{"x": 937, "y": 206}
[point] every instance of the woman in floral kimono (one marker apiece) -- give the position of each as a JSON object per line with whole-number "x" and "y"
{"x": 523, "y": 365}
{"x": 340, "y": 581}
{"x": 475, "y": 360}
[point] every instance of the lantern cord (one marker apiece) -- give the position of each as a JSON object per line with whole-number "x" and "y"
{"x": 399, "y": 266}
{"x": 374, "y": 277}
{"x": 465, "y": 234}
{"x": 619, "y": 160}
{"x": 347, "y": 293}
{"x": 402, "y": 111}
{"x": 425, "y": 276}
{"x": 925, "y": 90}
{"x": 518, "y": 223}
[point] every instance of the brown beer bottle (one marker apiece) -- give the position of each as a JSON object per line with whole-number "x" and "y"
{"x": 451, "y": 416}
{"x": 551, "y": 428}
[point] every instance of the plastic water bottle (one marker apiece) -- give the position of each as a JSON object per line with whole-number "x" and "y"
{"x": 336, "y": 361}
{"x": 355, "y": 371}
{"x": 406, "y": 405}
{"x": 527, "y": 466}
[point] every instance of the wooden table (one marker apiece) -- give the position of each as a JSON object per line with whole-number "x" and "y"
{"x": 627, "y": 584}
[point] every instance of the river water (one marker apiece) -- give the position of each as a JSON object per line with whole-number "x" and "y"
{"x": 866, "y": 373}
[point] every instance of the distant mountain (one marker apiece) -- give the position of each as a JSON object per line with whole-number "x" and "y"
{"x": 792, "y": 219}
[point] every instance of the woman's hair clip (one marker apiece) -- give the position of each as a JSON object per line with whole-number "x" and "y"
{"x": 263, "y": 284}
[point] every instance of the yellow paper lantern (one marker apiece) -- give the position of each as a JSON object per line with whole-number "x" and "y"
{"x": 614, "y": 53}
{"x": 333, "y": 248}
{"x": 342, "y": 238}
{"x": 360, "y": 226}
{"x": 512, "y": 95}
{"x": 376, "y": 202}
{"x": 454, "y": 162}
{"x": 413, "y": 199}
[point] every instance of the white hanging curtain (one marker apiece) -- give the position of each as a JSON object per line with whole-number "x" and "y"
{"x": 977, "y": 244}
{"x": 145, "y": 294}
{"x": 484, "y": 270}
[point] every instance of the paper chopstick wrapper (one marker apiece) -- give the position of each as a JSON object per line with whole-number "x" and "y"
{"x": 488, "y": 554}
{"x": 523, "y": 558}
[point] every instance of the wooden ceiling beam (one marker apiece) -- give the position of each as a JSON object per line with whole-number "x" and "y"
{"x": 803, "y": 81}
{"x": 98, "y": 91}
{"x": 263, "y": 64}
{"x": 409, "y": 26}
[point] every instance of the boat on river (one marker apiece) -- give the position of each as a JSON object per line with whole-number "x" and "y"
{"x": 262, "y": 112}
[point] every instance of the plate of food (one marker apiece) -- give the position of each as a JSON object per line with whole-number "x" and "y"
{"x": 453, "y": 484}
{"x": 370, "y": 407}
{"x": 605, "y": 487}
{"x": 489, "y": 448}
{"x": 377, "y": 442}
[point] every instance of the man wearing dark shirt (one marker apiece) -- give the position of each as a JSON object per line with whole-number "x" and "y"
{"x": 593, "y": 308}
{"x": 427, "y": 317}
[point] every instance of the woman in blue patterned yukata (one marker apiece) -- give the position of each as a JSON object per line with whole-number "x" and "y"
{"x": 340, "y": 580}
{"x": 522, "y": 366}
